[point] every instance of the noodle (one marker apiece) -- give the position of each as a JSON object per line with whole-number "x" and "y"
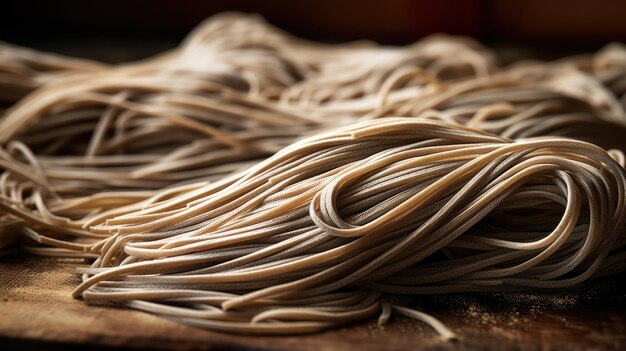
{"x": 23, "y": 70}
{"x": 363, "y": 211}
{"x": 104, "y": 140}
{"x": 252, "y": 182}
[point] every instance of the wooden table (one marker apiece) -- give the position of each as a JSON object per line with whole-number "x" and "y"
{"x": 37, "y": 312}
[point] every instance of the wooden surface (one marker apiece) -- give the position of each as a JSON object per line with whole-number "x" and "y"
{"x": 37, "y": 312}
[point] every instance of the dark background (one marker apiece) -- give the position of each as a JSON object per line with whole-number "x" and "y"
{"x": 117, "y": 30}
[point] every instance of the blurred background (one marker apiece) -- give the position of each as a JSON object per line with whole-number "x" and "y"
{"x": 117, "y": 30}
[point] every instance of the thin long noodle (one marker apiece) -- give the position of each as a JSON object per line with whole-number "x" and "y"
{"x": 364, "y": 210}
{"x": 252, "y": 182}
{"x": 23, "y": 70}
{"x": 92, "y": 144}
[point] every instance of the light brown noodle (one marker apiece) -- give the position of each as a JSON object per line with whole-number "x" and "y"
{"x": 253, "y": 182}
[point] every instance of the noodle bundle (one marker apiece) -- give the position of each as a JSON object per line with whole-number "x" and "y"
{"x": 85, "y": 145}
{"x": 527, "y": 101}
{"x": 317, "y": 234}
{"x": 250, "y": 181}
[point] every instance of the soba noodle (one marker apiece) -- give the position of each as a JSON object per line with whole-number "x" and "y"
{"x": 252, "y": 182}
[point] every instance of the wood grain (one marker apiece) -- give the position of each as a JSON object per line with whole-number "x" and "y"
{"x": 37, "y": 312}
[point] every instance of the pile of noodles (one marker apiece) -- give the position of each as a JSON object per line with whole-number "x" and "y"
{"x": 89, "y": 144}
{"x": 312, "y": 236}
{"x": 253, "y": 182}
